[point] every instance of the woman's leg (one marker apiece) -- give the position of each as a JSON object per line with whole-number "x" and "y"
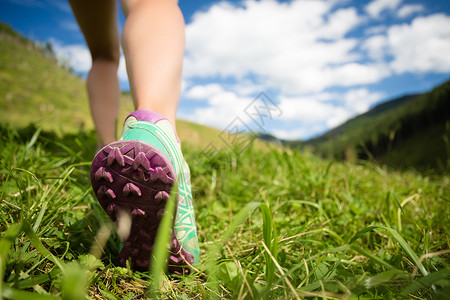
{"x": 153, "y": 44}
{"x": 136, "y": 173}
{"x": 98, "y": 22}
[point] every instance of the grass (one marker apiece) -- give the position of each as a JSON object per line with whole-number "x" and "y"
{"x": 273, "y": 223}
{"x": 32, "y": 84}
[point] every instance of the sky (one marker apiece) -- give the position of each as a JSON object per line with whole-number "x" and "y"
{"x": 294, "y": 69}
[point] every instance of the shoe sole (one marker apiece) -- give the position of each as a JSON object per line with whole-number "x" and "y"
{"x": 137, "y": 178}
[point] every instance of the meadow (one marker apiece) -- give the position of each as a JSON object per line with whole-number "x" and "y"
{"x": 273, "y": 223}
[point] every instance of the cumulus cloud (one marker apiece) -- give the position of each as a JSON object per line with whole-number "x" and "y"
{"x": 300, "y": 46}
{"x": 328, "y": 108}
{"x": 359, "y": 101}
{"x": 309, "y": 114}
{"x": 409, "y": 9}
{"x": 423, "y": 46}
{"x": 376, "y": 47}
{"x": 203, "y": 92}
{"x": 76, "y": 56}
{"x": 420, "y": 47}
{"x": 296, "y": 133}
{"x": 308, "y": 109}
{"x": 223, "y": 107}
{"x": 303, "y": 49}
{"x": 376, "y": 7}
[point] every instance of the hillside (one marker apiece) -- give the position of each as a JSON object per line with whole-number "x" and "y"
{"x": 410, "y": 131}
{"x": 35, "y": 90}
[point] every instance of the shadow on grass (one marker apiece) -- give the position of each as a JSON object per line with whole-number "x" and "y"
{"x": 82, "y": 145}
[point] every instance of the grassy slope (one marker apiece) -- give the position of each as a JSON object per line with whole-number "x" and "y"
{"x": 35, "y": 90}
{"x": 322, "y": 213}
{"x": 317, "y": 208}
{"x": 382, "y": 130}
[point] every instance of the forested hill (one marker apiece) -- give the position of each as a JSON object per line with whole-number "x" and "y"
{"x": 411, "y": 131}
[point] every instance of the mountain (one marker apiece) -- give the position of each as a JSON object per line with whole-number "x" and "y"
{"x": 412, "y": 131}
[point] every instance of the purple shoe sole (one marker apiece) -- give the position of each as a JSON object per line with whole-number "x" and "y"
{"x": 136, "y": 177}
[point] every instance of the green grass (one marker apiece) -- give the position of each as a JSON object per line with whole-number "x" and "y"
{"x": 33, "y": 85}
{"x": 273, "y": 223}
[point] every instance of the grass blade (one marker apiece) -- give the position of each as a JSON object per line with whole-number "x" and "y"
{"x": 14, "y": 294}
{"x": 407, "y": 249}
{"x": 162, "y": 242}
{"x": 238, "y": 219}
{"x": 6, "y": 241}
{"x": 294, "y": 293}
{"x": 427, "y": 281}
{"x": 400, "y": 240}
{"x": 269, "y": 236}
{"x": 39, "y": 279}
{"x": 39, "y": 247}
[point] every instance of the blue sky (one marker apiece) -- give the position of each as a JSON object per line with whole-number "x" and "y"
{"x": 316, "y": 63}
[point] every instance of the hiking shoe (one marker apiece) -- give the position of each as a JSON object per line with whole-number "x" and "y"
{"x": 136, "y": 174}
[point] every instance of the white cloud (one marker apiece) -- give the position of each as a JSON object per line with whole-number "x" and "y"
{"x": 203, "y": 92}
{"x": 422, "y": 46}
{"x": 223, "y": 107}
{"x": 376, "y": 47}
{"x": 300, "y": 46}
{"x": 296, "y": 133}
{"x": 376, "y": 7}
{"x": 122, "y": 71}
{"x": 360, "y": 100}
{"x": 310, "y": 110}
{"x": 77, "y": 56}
{"x": 409, "y": 9}
{"x": 322, "y": 111}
